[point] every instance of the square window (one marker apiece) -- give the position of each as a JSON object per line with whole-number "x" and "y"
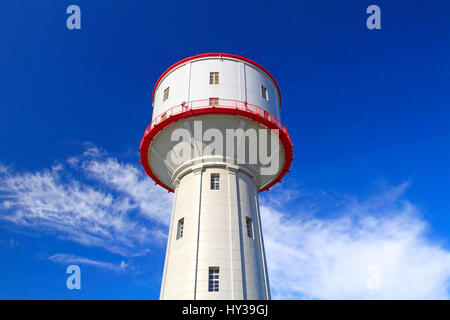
{"x": 213, "y": 282}
{"x": 213, "y": 101}
{"x": 215, "y": 179}
{"x": 166, "y": 94}
{"x": 264, "y": 92}
{"x": 180, "y": 228}
{"x": 213, "y": 78}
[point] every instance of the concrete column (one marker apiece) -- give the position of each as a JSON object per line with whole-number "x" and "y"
{"x": 197, "y": 198}
{"x": 236, "y": 258}
{"x": 166, "y": 261}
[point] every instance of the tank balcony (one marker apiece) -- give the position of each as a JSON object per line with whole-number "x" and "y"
{"x": 215, "y": 106}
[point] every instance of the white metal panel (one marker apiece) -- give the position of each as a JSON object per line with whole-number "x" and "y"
{"x": 178, "y": 82}
{"x": 254, "y": 79}
{"x": 238, "y": 80}
{"x": 228, "y": 87}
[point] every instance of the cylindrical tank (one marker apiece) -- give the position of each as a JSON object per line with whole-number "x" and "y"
{"x": 238, "y": 79}
{"x": 216, "y": 140}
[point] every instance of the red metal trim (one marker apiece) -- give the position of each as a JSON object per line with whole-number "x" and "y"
{"x": 224, "y": 106}
{"x": 214, "y": 54}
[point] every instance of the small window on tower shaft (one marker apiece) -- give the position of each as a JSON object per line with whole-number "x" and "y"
{"x": 264, "y": 92}
{"x": 215, "y": 181}
{"x": 166, "y": 94}
{"x": 213, "y": 101}
{"x": 213, "y": 279}
{"x": 213, "y": 78}
{"x": 249, "y": 223}
{"x": 180, "y": 228}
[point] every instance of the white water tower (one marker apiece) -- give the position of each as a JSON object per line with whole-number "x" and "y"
{"x": 215, "y": 247}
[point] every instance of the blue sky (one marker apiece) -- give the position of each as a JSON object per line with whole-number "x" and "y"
{"x": 367, "y": 110}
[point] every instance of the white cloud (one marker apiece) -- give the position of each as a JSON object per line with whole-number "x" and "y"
{"x": 118, "y": 209}
{"x": 373, "y": 249}
{"x": 329, "y": 247}
{"x": 150, "y": 200}
{"x": 67, "y": 259}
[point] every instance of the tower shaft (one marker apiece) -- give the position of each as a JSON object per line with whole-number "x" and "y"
{"x": 215, "y": 247}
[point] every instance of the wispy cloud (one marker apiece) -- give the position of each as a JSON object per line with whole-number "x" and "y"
{"x": 319, "y": 245}
{"x": 67, "y": 259}
{"x": 129, "y": 180}
{"x": 382, "y": 238}
{"x": 110, "y": 205}
{"x": 11, "y": 242}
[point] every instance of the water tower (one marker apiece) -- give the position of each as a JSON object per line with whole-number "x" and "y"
{"x": 208, "y": 110}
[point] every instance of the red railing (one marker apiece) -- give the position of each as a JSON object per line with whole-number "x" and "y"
{"x": 223, "y": 106}
{"x": 220, "y": 103}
